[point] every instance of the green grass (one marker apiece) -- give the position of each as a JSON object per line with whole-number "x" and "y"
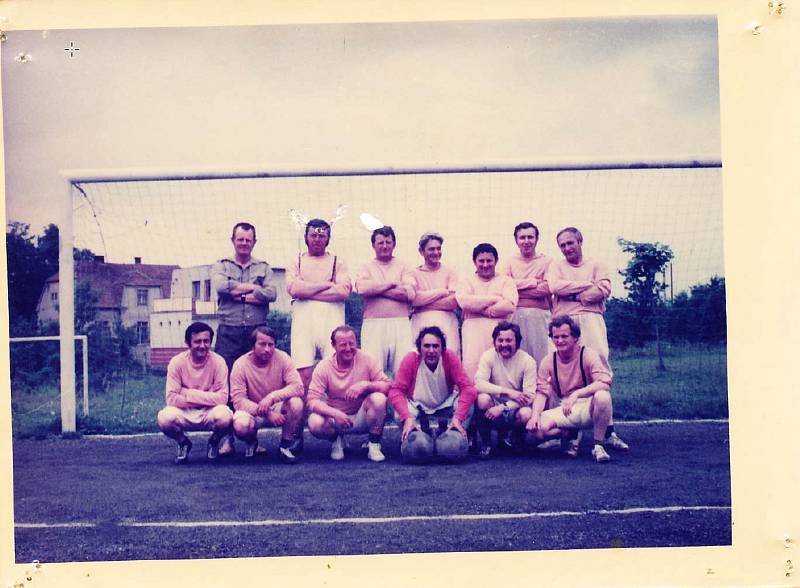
{"x": 694, "y": 386}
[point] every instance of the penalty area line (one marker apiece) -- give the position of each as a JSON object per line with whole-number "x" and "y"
{"x": 385, "y": 520}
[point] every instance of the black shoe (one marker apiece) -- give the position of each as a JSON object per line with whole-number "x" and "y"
{"x": 213, "y": 447}
{"x": 474, "y": 445}
{"x": 184, "y": 447}
{"x": 250, "y": 450}
{"x": 486, "y": 452}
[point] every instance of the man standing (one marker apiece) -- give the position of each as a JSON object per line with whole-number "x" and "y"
{"x": 196, "y": 391}
{"x": 431, "y": 384}
{"x": 506, "y": 384}
{"x": 581, "y": 287}
{"x": 486, "y": 298}
{"x": 244, "y": 291}
{"x": 318, "y": 284}
{"x": 266, "y": 391}
{"x": 434, "y": 302}
{"x": 387, "y": 286}
{"x": 347, "y": 395}
{"x": 528, "y": 270}
{"x": 577, "y": 376}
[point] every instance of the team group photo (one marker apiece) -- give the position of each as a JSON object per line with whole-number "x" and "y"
{"x": 366, "y": 288}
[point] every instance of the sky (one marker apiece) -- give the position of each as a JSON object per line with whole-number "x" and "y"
{"x": 361, "y": 95}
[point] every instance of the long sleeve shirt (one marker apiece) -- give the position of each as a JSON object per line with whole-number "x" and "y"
{"x": 406, "y": 379}
{"x": 329, "y": 382}
{"x": 251, "y": 382}
{"x": 427, "y": 282}
{"x": 495, "y": 373}
{"x": 305, "y": 275}
{"x": 226, "y": 275}
{"x": 369, "y": 279}
{"x": 566, "y": 281}
{"x": 196, "y": 386}
{"x": 518, "y": 268}
{"x": 473, "y": 293}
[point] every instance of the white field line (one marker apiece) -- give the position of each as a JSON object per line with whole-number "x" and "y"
{"x": 390, "y": 520}
{"x": 393, "y": 426}
{"x": 53, "y": 525}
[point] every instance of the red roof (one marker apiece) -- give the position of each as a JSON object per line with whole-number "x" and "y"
{"x": 109, "y": 279}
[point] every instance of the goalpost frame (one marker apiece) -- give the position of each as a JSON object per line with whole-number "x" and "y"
{"x": 66, "y": 286}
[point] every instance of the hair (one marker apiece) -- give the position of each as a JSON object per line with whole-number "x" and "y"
{"x": 194, "y": 328}
{"x": 564, "y": 319}
{"x": 386, "y": 231}
{"x": 423, "y": 241}
{"x": 245, "y": 227}
{"x": 436, "y": 332}
{"x": 341, "y": 329}
{"x": 317, "y": 223}
{"x": 508, "y": 326}
{"x": 526, "y": 225}
{"x": 578, "y": 234}
{"x": 484, "y": 248}
{"x": 263, "y": 330}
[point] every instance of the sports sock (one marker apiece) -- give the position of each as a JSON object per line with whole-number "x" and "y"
{"x": 609, "y": 430}
{"x": 374, "y": 438}
{"x": 285, "y": 443}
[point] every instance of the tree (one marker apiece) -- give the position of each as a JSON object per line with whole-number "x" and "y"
{"x": 643, "y": 285}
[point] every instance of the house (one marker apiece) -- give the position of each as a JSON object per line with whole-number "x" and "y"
{"x": 127, "y": 293}
{"x": 193, "y": 299}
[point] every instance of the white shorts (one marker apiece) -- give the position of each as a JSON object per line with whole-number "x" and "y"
{"x": 388, "y": 340}
{"x": 593, "y": 333}
{"x": 313, "y": 322}
{"x": 580, "y": 417}
{"x": 196, "y": 419}
{"x": 360, "y": 425}
{"x": 253, "y": 420}
{"x": 533, "y": 323}
{"x": 444, "y": 319}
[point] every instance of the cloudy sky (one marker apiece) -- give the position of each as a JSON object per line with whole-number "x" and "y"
{"x": 355, "y": 95}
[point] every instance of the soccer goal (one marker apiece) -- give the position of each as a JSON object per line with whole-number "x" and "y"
{"x": 184, "y": 217}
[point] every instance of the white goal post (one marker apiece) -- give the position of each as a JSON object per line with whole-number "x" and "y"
{"x": 78, "y": 180}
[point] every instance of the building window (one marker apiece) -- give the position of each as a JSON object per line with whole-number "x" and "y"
{"x": 196, "y": 290}
{"x": 142, "y": 332}
{"x": 142, "y": 296}
{"x": 207, "y": 285}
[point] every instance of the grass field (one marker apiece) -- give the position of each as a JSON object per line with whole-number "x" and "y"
{"x": 121, "y": 498}
{"x": 694, "y": 386}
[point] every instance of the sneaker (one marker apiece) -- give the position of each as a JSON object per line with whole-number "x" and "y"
{"x": 184, "y": 448}
{"x": 297, "y": 447}
{"x": 571, "y": 447}
{"x": 599, "y": 454}
{"x": 226, "y": 448}
{"x": 285, "y": 455}
{"x": 485, "y": 452}
{"x": 374, "y": 452}
{"x": 549, "y": 444}
{"x": 616, "y": 443}
{"x": 250, "y": 450}
{"x": 213, "y": 447}
{"x": 337, "y": 449}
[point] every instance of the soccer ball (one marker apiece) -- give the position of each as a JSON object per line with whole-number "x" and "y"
{"x": 417, "y": 448}
{"x": 452, "y": 446}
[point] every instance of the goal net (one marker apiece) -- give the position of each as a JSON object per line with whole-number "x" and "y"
{"x": 184, "y": 218}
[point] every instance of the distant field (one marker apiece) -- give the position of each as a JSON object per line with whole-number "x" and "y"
{"x": 694, "y": 386}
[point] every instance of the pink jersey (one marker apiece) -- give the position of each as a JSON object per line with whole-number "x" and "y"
{"x": 569, "y": 373}
{"x": 251, "y": 382}
{"x": 196, "y": 386}
{"x": 566, "y": 281}
{"x": 329, "y": 382}
{"x": 374, "y": 273}
{"x": 473, "y": 293}
{"x": 427, "y": 282}
{"x": 521, "y": 269}
{"x": 308, "y": 272}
